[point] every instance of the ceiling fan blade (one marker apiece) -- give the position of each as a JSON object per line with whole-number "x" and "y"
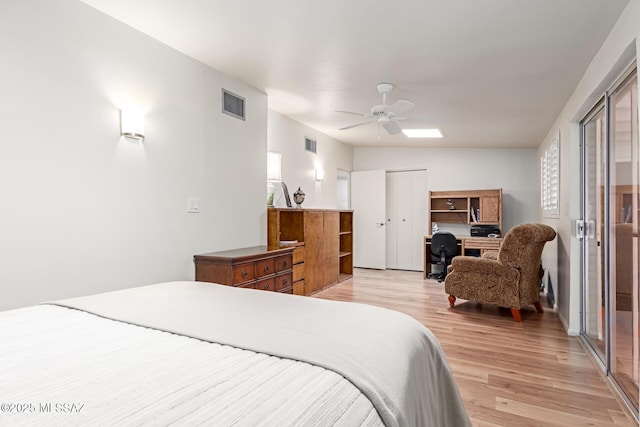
{"x": 357, "y": 124}
{"x": 352, "y": 112}
{"x": 392, "y": 127}
{"x": 400, "y": 107}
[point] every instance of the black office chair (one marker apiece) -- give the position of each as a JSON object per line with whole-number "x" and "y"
{"x": 444, "y": 246}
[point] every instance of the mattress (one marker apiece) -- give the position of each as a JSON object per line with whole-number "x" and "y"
{"x": 189, "y": 353}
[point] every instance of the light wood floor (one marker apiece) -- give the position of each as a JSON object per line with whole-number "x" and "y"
{"x": 508, "y": 373}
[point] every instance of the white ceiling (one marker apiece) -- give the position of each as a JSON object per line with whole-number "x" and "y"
{"x": 489, "y": 73}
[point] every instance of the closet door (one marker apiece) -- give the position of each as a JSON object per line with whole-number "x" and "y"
{"x": 404, "y": 237}
{"x": 406, "y": 203}
{"x": 392, "y": 221}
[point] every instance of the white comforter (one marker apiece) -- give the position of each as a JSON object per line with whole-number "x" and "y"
{"x": 392, "y": 359}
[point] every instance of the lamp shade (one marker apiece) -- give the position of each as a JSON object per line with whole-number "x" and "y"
{"x": 132, "y": 123}
{"x": 274, "y": 166}
{"x": 319, "y": 174}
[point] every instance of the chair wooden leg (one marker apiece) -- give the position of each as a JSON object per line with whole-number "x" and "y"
{"x": 538, "y": 307}
{"x": 452, "y": 301}
{"x": 516, "y": 315}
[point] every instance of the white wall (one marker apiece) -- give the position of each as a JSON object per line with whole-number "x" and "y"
{"x": 614, "y": 56}
{"x": 286, "y": 136}
{"x": 513, "y": 170}
{"x": 84, "y": 211}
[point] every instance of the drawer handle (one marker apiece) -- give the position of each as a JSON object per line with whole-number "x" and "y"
{"x": 284, "y": 264}
{"x": 266, "y": 287}
{"x": 285, "y": 282}
{"x": 266, "y": 268}
{"x": 245, "y": 273}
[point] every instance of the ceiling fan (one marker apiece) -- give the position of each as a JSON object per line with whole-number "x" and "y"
{"x": 384, "y": 114}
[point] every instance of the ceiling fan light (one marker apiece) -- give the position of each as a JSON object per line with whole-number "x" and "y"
{"x": 422, "y": 133}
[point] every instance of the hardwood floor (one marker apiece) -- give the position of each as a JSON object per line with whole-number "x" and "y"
{"x": 508, "y": 373}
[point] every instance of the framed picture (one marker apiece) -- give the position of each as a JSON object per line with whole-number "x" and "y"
{"x": 287, "y": 197}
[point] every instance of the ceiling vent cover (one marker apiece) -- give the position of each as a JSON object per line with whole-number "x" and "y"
{"x": 232, "y": 104}
{"x": 310, "y": 145}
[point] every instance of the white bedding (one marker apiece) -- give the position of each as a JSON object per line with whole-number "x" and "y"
{"x": 126, "y": 375}
{"x": 305, "y": 361}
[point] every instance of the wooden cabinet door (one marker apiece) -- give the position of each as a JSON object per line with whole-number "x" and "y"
{"x": 489, "y": 209}
{"x": 314, "y": 251}
{"x": 331, "y": 253}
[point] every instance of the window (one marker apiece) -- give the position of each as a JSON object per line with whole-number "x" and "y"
{"x": 550, "y": 179}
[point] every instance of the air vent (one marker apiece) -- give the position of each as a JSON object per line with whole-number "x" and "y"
{"x": 310, "y": 145}
{"x": 232, "y": 104}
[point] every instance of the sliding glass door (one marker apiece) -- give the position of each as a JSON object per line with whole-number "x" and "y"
{"x": 623, "y": 229}
{"x": 594, "y": 168}
{"x": 611, "y": 250}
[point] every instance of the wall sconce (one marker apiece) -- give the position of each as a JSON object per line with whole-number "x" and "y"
{"x": 132, "y": 123}
{"x": 319, "y": 175}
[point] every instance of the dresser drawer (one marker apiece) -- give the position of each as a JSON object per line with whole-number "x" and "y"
{"x": 255, "y": 267}
{"x": 298, "y": 255}
{"x": 266, "y": 284}
{"x": 283, "y": 263}
{"x": 283, "y": 281}
{"x": 298, "y": 272}
{"x": 243, "y": 273}
{"x": 298, "y": 288}
{"x": 265, "y": 267}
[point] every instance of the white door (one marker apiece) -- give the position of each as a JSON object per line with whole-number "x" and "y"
{"x": 407, "y": 197}
{"x": 403, "y": 220}
{"x": 391, "y": 227}
{"x": 419, "y": 228}
{"x": 368, "y": 198}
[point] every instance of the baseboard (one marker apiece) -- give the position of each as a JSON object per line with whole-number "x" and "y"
{"x": 565, "y": 324}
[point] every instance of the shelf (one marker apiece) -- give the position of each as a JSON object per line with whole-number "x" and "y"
{"x": 484, "y": 205}
{"x": 342, "y": 254}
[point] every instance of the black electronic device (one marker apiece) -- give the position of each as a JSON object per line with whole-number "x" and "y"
{"x": 484, "y": 230}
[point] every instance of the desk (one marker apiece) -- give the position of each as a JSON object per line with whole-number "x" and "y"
{"x": 482, "y": 244}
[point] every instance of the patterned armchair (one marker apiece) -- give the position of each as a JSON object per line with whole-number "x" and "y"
{"x": 509, "y": 278}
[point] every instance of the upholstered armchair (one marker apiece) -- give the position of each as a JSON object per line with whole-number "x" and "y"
{"x": 509, "y": 278}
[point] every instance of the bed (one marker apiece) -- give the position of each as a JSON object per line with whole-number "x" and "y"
{"x": 193, "y": 353}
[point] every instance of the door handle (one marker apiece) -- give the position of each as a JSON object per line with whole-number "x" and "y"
{"x": 579, "y": 228}
{"x": 379, "y": 224}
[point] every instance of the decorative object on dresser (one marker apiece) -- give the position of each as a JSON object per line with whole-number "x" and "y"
{"x": 327, "y": 238}
{"x": 255, "y": 267}
{"x": 274, "y": 177}
{"x": 298, "y": 197}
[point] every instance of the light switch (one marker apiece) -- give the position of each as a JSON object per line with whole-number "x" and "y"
{"x": 193, "y": 205}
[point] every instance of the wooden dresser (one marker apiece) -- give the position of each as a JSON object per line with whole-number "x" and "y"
{"x": 255, "y": 268}
{"x": 327, "y": 236}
